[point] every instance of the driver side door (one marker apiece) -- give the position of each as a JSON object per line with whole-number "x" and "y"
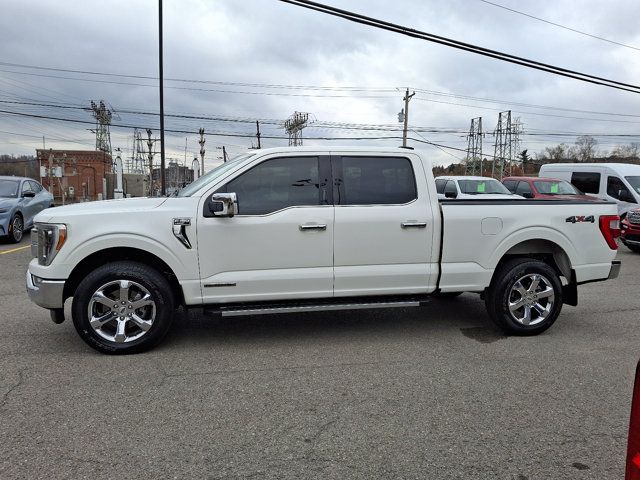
{"x": 279, "y": 244}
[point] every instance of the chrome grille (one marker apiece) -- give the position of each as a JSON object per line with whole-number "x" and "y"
{"x": 634, "y": 216}
{"x": 34, "y": 242}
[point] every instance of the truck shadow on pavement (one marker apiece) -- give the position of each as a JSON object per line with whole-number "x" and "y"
{"x": 465, "y": 314}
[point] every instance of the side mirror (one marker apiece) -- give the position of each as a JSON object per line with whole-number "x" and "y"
{"x": 223, "y": 205}
{"x": 29, "y": 194}
{"x": 450, "y": 194}
{"x": 527, "y": 195}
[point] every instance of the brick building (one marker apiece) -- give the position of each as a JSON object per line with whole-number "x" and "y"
{"x": 83, "y": 173}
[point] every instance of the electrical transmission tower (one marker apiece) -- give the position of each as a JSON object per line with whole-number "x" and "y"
{"x": 503, "y": 148}
{"x": 139, "y": 152}
{"x": 103, "y": 115}
{"x": 150, "y": 142}
{"x": 473, "y": 162}
{"x": 516, "y": 130}
{"x": 294, "y": 125}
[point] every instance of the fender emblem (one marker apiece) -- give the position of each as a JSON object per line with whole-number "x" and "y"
{"x": 581, "y": 219}
{"x": 180, "y": 231}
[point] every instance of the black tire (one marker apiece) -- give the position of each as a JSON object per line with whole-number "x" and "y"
{"x": 16, "y": 228}
{"x": 503, "y": 290}
{"x": 633, "y": 248}
{"x": 140, "y": 277}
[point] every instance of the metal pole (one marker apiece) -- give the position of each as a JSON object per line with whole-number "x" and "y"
{"x": 163, "y": 190}
{"x": 406, "y": 99}
{"x": 258, "y": 132}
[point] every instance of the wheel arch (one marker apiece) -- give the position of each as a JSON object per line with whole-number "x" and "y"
{"x": 108, "y": 255}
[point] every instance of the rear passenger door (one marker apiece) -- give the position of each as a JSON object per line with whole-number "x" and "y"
{"x": 383, "y": 233}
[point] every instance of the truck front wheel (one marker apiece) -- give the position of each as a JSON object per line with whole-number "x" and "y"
{"x": 123, "y": 307}
{"x": 525, "y": 297}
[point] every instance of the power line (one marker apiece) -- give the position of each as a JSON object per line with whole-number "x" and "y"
{"x": 597, "y": 37}
{"x": 410, "y": 32}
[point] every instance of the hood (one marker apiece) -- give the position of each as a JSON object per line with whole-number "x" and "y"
{"x": 488, "y": 196}
{"x": 7, "y": 203}
{"x": 577, "y": 198}
{"x": 123, "y": 205}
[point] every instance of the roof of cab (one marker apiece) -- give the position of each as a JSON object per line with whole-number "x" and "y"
{"x": 620, "y": 168}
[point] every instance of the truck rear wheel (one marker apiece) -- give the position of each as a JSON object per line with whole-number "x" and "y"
{"x": 123, "y": 307}
{"x": 525, "y": 297}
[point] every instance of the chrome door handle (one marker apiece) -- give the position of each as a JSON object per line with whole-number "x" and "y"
{"x": 312, "y": 226}
{"x": 413, "y": 224}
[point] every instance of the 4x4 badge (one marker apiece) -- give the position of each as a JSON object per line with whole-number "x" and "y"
{"x": 581, "y": 219}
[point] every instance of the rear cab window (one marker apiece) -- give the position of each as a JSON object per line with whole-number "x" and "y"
{"x": 371, "y": 180}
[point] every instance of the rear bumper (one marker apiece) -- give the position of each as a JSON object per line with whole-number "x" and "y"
{"x": 615, "y": 269}
{"x": 45, "y": 293}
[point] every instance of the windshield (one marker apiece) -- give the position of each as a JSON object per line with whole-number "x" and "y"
{"x": 634, "y": 182}
{"x": 560, "y": 187}
{"x": 9, "y": 188}
{"x": 479, "y": 187}
{"x": 212, "y": 175}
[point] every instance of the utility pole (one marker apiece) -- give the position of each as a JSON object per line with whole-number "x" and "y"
{"x": 224, "y": 154}
{"x": 201, "y": 142}
{"x": 150, "y": 143}
{"x": 406, "y": 99}
{"x": 163, "y": 190}
{"x": 258, "y": 132}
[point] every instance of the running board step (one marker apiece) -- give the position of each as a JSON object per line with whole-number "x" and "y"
{"x": 321, "y": 306}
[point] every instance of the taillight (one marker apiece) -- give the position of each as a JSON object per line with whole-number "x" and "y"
{"x": 610, "y": 228}
{"x": 633, "y": 445}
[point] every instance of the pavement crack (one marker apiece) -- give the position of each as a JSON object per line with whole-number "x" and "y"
{"x": 5, "y": 396}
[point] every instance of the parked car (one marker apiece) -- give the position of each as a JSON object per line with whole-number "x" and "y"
{"x": 616, "y": 182}
{"x": 466, "y": 187}
{"x": 545, "y": 188}
{"x": 21, "y": 199}
{"x": 312, "y": 228}
{"x": 630, "y": 230}
{"x": 633, "y": 440}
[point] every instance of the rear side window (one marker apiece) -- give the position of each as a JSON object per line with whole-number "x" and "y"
{"x": 588, "y": 182}
{"x": 376, "y": 181}
{"x": 523, "y": 189}
{"x": 276, "y": 184}
{"x": 440, "y": 183}
{"x": 511, "y": 185}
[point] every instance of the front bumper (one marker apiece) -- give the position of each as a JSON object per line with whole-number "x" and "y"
{"x": 45, "y": 293}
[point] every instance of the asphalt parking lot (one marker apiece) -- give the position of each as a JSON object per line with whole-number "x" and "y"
{"x": 433, "y": 393}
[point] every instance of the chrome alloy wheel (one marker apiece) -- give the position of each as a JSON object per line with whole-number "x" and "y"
{"x": 121, "y": 311}
{"x": 531, "y": 299}
{"x": 17, "y": 228}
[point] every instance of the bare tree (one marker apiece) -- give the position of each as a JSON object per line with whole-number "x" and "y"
{"x": 556, "y": 154}
{"x": 584, "y": 149}
{"x": 631, "y": 150}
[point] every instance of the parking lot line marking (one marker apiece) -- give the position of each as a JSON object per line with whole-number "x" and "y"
{"x": 2, "y": 252}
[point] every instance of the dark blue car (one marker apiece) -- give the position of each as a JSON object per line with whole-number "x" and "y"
{"x": 20, "y": 200}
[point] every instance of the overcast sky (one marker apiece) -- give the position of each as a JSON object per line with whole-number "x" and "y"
{"x": 268, "y": 42}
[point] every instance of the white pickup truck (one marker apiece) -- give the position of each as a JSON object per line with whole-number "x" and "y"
{"x": 312, "y": 228}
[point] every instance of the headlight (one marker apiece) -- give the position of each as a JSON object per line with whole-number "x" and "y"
{"x": 50, "y": 239}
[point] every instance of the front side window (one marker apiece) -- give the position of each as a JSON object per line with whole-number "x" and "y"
{"x": 618, "y": 190}
{"x": 35, "y": 186}
{"x": 377, "y": 181}
{"x": 588, "y": 182}
{"x": 510, "y": 185}
{"x": 524, "y": 189}
{"x": 276, "y": 184}
{"x": 26, "y": 187}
